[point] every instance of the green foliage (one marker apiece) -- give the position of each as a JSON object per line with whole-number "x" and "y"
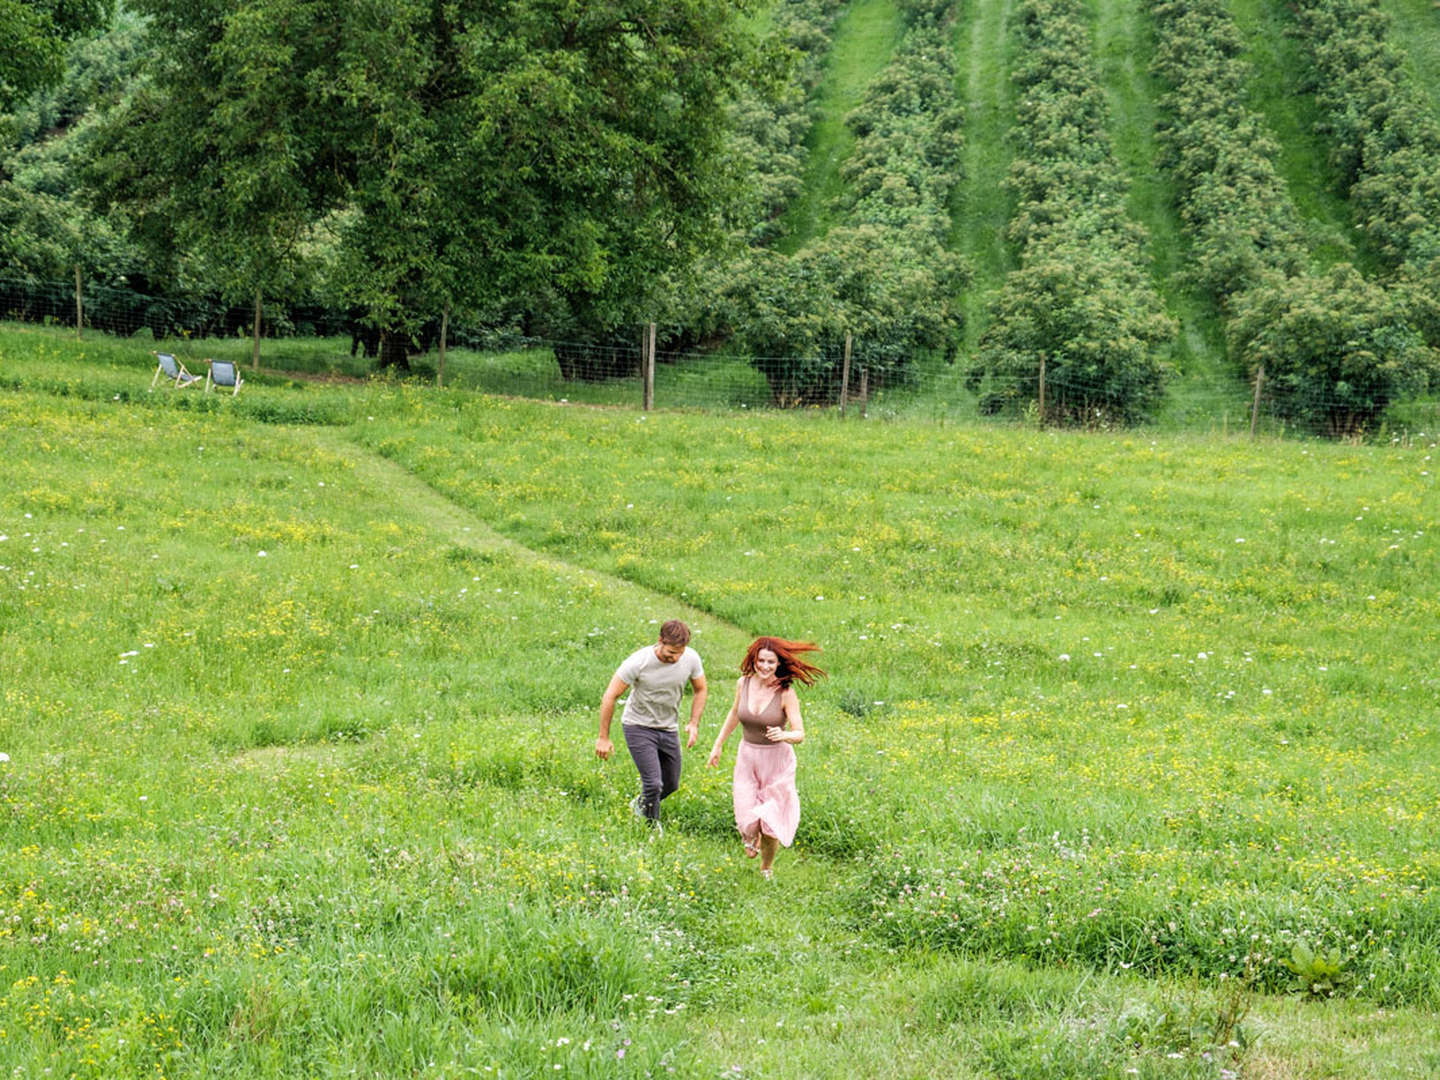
{"x": 1232, "y": 199}
{"x": 1081, "y": 302}
{"x": 1385, "y": 138}
{"x": 457, "y": 156}
{"x": 1320, "y": 973}
{"x": 885, "y": 276}
{"x": 1336, "y": 351}
{"x": 1085, "y": 314}
{"x": 35, "y": 33}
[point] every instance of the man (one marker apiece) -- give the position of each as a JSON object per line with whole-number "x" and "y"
{"x": 655, "y": 676}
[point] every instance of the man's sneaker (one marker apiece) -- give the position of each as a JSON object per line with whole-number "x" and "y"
{"x": 636, "y": 808}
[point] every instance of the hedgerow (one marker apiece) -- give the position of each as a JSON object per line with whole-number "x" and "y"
{"x": 885, "y": 276}
{"x": 1335, "y": 351}
{"x": 1232, "y": 199}
{"x": 1081, "y": 307}
{"x": 1385, "y": 140}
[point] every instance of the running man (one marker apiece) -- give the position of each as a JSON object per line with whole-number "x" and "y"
{"x": 655, "y": 676}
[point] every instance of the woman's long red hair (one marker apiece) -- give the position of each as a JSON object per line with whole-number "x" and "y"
{"x": 790, "y": 668}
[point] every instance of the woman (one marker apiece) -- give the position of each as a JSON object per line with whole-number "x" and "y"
{"x": 767, "y": 710}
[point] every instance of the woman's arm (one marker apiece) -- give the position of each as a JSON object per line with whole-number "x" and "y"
{"x": 732, "y": 720}
{"x": 794, "y": 730}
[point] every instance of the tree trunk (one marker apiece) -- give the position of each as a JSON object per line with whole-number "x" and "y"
{"x": 255, "y": 349}
{"x": 394, "y": 350}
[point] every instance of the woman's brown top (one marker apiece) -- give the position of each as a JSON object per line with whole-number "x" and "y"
{"x": 753, "y": 725}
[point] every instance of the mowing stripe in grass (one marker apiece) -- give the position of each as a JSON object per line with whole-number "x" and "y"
{"x": 1124, "y": 45}
{"x": 425, "y": 504}
{"x": 983, "y": 42}
{"x": 864, "y": 40}
{"x": 1415, "y": 27}
{"x": 1279, "y": 63}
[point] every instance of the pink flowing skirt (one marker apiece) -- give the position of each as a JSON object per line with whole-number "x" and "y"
{"x": 765, "y": 797}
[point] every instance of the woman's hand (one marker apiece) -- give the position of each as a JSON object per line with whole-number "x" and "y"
{"x": 714, "y": 758}
{"x": 776, "y": 734}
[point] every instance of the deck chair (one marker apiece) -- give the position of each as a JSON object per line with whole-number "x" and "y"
{"x": 173, "y": 371}
{"x": 223, "y": 373}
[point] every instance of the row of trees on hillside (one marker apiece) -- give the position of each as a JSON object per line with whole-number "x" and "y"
{"x": 1333, "y": 350}
{"x": 1385, "y": 139}
{"x": 883, "y": 276}
{"x": 1078, "y": 329}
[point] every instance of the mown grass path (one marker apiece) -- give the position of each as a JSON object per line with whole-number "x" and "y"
{"x": 1279, "y": 64}
{"x": 1415, "y": 28}
{"x": 456, "y": 525}
{"x": 983, "y": 206}
{"x": 1124, "y": 44}
{"x": 864, "y": 40}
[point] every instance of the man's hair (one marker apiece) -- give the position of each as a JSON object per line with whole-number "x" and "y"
{"x": 675, "y": 632}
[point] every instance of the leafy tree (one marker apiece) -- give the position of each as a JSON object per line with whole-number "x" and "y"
{"x": 457, "y": 154}
{"x": 1084, "y": 311}
{"x": 1336, "y": 350}
{"x": 791, "y": 314}
{"x": 35, "y": 33}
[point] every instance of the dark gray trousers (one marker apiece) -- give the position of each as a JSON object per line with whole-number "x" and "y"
{"x": 657, "y": 756}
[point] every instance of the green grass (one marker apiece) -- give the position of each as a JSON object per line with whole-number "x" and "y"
{"x": 298, "y": 722}
{"x": 1415, "y": 27}
{"x": 1280, "y": 67}
{"x": 983, "y": 206}
{"x": 1124, "y": 45}
{"x": 864, "y": 39}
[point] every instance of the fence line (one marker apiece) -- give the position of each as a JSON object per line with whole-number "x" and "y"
{"x": 637, "y": 373}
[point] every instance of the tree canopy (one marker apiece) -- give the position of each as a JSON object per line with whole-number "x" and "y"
{"x": 35, "y": 33}
{"x": 463, "y": 153}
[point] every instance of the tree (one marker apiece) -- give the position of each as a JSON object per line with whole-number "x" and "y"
{"x": 1337, "y": 351}
{"x": 35, "y": 33}
{"x": 462, "y": 153}
{"x": 1081, "y": 311}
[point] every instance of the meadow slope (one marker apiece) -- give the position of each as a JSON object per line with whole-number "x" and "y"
{"x": 1127, "y": 762}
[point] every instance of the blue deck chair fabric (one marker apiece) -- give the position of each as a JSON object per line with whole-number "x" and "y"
{"x": 173, "y": 371}
{"x": 223, "y": 374}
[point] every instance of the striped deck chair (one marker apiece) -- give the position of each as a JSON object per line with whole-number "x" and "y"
{"x": 172, "y": 370}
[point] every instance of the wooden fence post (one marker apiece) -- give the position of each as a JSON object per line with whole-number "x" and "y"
{"x": 255, "y": 349}
{"x": 647, "y": 367}
{"x": 1042, "y": 389}
{"x": 864, "y": 391}
{"x": 1255, "y": 407}
{"x": 444, "y": 329}
{"x": 845, "y": 374}
{"x": 79, "y": 307}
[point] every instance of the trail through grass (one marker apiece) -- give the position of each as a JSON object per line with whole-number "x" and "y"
{"x": 862, "y": 44}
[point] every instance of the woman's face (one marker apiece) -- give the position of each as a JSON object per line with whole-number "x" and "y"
{"x": 765, "y": 664}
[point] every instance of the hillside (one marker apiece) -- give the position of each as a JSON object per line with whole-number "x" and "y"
{"x": 885, "y": 209}
{"x": 1125, "y": 764}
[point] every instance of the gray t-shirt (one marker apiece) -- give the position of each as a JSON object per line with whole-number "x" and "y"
{"x": 655, "y": 687}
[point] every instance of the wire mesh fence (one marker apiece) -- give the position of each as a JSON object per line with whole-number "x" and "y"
{"x": 613, "y": 372}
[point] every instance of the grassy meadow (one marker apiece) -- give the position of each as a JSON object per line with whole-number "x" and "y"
{"x": 1126, "y": 766}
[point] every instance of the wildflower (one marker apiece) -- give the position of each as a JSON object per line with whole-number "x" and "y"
{"x": 4, "y": 757}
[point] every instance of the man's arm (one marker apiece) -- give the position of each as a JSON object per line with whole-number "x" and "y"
{"x": 697, "y": 707}
{"x": 603, "y": 746}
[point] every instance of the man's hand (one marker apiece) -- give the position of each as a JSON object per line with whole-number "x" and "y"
{"x": 692, "y": 729}
{"x": 604, "y": 748}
